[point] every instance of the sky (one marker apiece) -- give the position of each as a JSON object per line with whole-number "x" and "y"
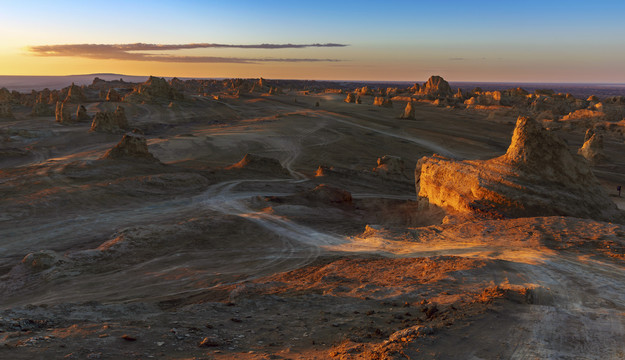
{"x": 489, "y": 41}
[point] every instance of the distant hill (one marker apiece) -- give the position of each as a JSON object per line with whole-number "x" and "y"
{"x": 27, "y": 83}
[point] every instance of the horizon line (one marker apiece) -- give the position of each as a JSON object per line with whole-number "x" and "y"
{"x": 337, "y": 80}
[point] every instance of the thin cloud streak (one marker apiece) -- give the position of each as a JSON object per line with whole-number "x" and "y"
{"x": 129, "y": 52}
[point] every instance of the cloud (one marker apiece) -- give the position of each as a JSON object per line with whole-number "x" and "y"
{"x": 137, "y": 52}
{"x": 457, "y": 59}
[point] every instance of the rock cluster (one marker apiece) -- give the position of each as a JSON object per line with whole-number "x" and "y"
{"x": 132, "y": 146}
{"x": 63, "y": 113}
{"x": 154, "y": 90}
{"x": 382, "y": 101}
{"x": 110, "y": 122}
{"x": 538, "y": 176}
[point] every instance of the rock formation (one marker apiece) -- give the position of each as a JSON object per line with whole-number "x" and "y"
{"x": 351, "y": 98}
{"x": 383, "y": 102}
{"x": 154, "y": 90}
{"x": 6, "y": 111}
{"x": 538, "y": 176}
{"x": 113, "y": 96}
{"x": 592, "y": 150}
{"x": 75, "y": 95}
{"x": 110, "y": 122}
{"x": 42, "y": 109}
{"x": 408, "y": 112}
{"x": 436, "y": 86}
{"x": 393, "y": 166}
{"x": 81, "y": 114}
{"x": 327, "y": 194}
{"x": 132, "y": 146}
{"x": 259, "y": 163}
{"x": 62, "y": 113}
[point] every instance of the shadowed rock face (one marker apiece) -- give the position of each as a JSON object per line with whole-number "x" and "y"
{"x": 131, "y": 146}
{"x": 81, "y": 114}
{"x": 110, "y": 122}
{"x": 75, "y": 95}
{"x": 537, "y": 176}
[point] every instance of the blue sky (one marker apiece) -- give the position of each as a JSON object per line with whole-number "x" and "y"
{"x": 563, "y": 41}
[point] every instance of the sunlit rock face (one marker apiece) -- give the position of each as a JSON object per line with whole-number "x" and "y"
{"x": 382, "y": 101}
{"x": 132, "y": 146}
{"x": 592, "y": 150}
{"x": 538, "y": 176}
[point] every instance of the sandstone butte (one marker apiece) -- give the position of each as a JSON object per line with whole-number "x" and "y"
{"x": 537, "y": 176}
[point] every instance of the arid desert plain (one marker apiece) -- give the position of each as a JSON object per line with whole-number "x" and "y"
{"x": 274, "y": 219}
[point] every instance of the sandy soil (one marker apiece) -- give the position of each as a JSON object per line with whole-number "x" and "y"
{"x": 191, "y": 258}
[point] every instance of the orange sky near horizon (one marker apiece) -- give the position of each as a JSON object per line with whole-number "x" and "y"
{"x": 490, "y": 41}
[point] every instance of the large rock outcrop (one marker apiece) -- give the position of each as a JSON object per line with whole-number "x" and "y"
{"x": 109, "y": 121}
{"x": 132, "y": 146}
{"x": 538, "y": 176}
{"x": 436, "y": 87}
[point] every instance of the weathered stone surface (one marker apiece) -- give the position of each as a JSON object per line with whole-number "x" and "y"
{"x": 538, "y": 176}
{"x": 81, "y": 114}
{"x": 383, "y": 102}
{"x": 154, "y": 90}
{"x": 131, "y": 146}
{"x": 110, "y": 122}
{"x": 592, "y": 150}
{"x": 63, "y": 113}
{"x": 75, "y": 95}
{"x": 392, "y": 166}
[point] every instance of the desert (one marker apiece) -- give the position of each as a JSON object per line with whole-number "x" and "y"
{"x": 253, "y": 218}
